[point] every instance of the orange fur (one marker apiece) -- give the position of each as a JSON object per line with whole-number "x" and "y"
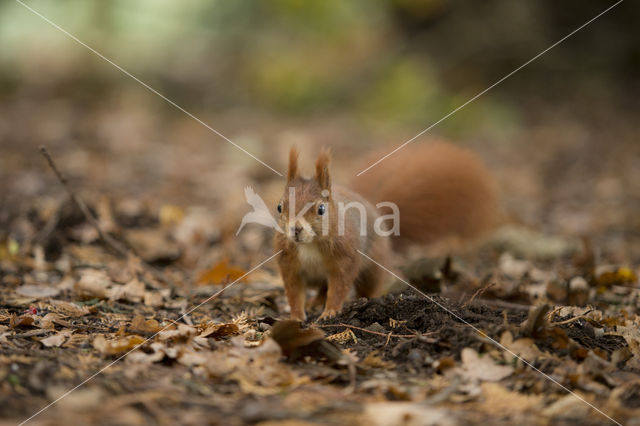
{"x": 293, "y": 164}
{"x": 442, "y": 192}
{"x": 322, "y": 169}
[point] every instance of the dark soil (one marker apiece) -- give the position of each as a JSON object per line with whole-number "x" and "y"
{"x": 419, "y": 316}
{"x": 444, "y": 333}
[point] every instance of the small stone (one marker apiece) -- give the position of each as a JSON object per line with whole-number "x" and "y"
{"x": 377, "y": 328}
{"x": 263, "y": 326}
{"x": 416, "y": 357}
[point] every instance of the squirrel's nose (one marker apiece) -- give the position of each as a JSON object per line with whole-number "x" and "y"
{"x": 297, "y": 229}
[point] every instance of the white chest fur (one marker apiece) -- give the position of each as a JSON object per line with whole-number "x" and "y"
{"x": 311, "y": 261}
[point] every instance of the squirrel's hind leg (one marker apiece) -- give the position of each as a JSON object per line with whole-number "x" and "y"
{"x": 369, "y": 282}
{"x": 372, "y": 280}
{"x": 339, "y": 286}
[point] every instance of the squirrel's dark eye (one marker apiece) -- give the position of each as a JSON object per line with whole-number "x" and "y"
{"x": 321, "y": 209}
{"x": 280, "y": 208}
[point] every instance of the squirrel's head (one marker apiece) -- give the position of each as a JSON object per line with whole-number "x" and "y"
{"x": 306, "y": 205}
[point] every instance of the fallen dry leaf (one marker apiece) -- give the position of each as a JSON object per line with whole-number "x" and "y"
{"x": 499, "y": 401}
{"x": 524, "y": 347}
{"x": 57, "y": 339}
{"x": 374, "y": 360}
{"x": 343, "y": 337}
{"x": 141, "y": 325}
{"x": 37, "y": 291}
{"x": 93, "y": 283}
{"x": 291, "y": 336}
{"x": 154, "y": 298}
{"x": 407, "y": 413}
{"x": 52, "y": 319}
{"x": 218, "y": 331}
{"x": 257, "y": 370}
{"x": 609, "y": 275}
{"x": 69, "y": 309}
{"x": 568, "y": 406}
{"x": 116, "y": 346}
{"x": 181, "y": 333}
{"x": 133, "y": 291}
{"x": 221, "y": 273}
{"x": 22, "y": 320}
{"x": 483, "y": 368}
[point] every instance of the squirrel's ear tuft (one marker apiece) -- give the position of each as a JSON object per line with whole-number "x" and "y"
{"x": 322, "y": 169}
{"x": 292, "y": 173}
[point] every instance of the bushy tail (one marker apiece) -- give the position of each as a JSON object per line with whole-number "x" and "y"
{"x": 442, "y": 192}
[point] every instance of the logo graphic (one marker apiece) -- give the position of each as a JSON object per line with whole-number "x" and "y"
{"x": 296, "y": 223}
{"x": 260, "y": 214}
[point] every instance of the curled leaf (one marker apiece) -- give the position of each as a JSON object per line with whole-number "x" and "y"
{"x": 117, "y": 346}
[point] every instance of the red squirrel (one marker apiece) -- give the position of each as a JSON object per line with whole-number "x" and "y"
{"x": 440, "y": 191}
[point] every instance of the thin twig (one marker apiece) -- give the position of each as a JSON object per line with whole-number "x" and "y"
{"x": 570, "y": 320}
{"x": 501, "y": 304}
{"x": 387, "y": 335}
{"x": 49, "y": 227}
{"x": 478, "y": 292}
{"x": 111, "y": 242}
{"x": 108, "y": 240}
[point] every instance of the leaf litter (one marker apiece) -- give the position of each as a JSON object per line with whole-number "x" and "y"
{"x": 68, "y": 313}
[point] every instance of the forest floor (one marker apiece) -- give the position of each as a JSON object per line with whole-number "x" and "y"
{"x": 528, "y": 327}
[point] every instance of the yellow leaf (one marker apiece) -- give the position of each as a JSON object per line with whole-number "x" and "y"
{"x": 170, "y": 214}
{"x": 222, "y": 273}
{"x": 375, "y": 361}
{"x": 607, "y": 276}
{"x": 116, "y": 346}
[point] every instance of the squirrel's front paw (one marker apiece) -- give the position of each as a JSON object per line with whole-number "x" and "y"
{"x": 298, "y": 316}
{"x": 328, "y": 313}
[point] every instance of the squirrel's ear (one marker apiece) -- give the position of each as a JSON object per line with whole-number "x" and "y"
{"x": 293, "y": 164}
{"x": 322, "y": 169}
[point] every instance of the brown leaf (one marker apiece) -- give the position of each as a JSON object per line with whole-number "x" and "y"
{"x": 297, "y": 342}
{"x": 291, "y": 336}
{"x": 140, "y": 325}
{"x": 375, "y": 361}
{"x": 444, "y": 364}
{"x": 22, "y": 320}
{"x": 218, "y": 331}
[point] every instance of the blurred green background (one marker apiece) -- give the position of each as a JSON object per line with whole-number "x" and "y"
{"x": 561, "y": 134}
